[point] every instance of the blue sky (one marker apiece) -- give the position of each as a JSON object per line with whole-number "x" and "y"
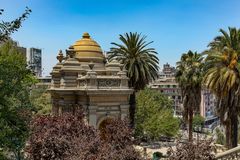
{"x": 175, "y": 26}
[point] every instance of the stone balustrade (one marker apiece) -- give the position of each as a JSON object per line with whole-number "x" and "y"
{"x": 232, "y": 154}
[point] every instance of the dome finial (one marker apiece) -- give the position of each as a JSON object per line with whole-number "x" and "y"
{"x": 86, "y": 35}
{"x": 60, "y": 56}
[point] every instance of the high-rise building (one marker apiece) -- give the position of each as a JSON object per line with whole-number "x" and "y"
{"x": 20, "y": 49}
{"x": 208, "y": 108}
{"x": 34, "y": 59}
{"x": 208, "y": 102}
{"x": 168, "y": 71}
{"x": 168, "y": 86}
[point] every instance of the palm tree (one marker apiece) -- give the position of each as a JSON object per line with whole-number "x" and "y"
{"x": 223, "y": 78}
{"x": 140, "y": 62}
{"x": 189, "y": 76}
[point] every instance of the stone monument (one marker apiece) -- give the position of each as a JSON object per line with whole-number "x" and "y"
{"x": 83, "y": 78}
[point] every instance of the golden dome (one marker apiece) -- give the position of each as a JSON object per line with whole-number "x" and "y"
{"x": 87, "y": 50}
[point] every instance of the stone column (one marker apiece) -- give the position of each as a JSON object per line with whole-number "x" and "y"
{"x": 124, "y": 110}
{"x": 92, "y": 115}
{"x": 52, "y": 82}
{"x": 61, "y": 105}
{"x": 62, "y": 80}
{"x": 124, "y": 79}
{"x": 55, "y": 107}
{"x": 92, "y": 77}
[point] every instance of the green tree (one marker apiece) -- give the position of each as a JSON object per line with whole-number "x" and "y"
{"x": 7, "y": 28}
{"x": 140, "y": 62}
{"x": 198, "y": 120}
{"x": 15, "y": 106}
{"x": 189, "y": 76}
{"x": 41, "y": 100}
{"x": 220, "y": 137}
{"x": 223, "y": 78}
{"x": 154, "y": 115}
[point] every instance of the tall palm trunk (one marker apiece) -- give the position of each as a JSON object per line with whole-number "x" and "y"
{"x": 190, "y": 121}
{"x": 234, "y": 131}
{"x": 228, "y": 133}
{"x": 132, "y": 103}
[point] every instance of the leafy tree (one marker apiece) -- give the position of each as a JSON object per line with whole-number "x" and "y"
{"x": 162, "y": 124}
{"x": 41, "y": 100}
{"x": 198, "y": 120}
{"x": 223, "y": 78}
{"x": 189, "y": 76}
{"x": 154, "y": 115}
{"x": 69, "y": 137}
{"x": 140, "y": 62}
{"x": 15, "y": 106}
{"x": 7, "y": 28}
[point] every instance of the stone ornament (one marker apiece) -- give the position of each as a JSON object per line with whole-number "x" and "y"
{"x": 108, "y": 83}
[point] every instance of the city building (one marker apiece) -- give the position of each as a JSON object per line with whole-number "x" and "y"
{"x": 83, "y": 79}
{"x": 208, "y": 104}
{"x": 20, "y": 49}
{"x": 34, "y": 60}
{"x": 168, "y": 71}
{"x": 208, "y": 108}
{"x": 167, "y": 85}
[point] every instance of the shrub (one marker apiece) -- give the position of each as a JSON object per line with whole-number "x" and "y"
{"x": 196, "y": 150}
{"x": 198, "y": 120}
{"x": 69, "y": 137}
{"x": 220, "y": 137}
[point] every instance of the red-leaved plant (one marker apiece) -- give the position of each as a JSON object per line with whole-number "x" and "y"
{"x": 194, "y": 150}
{"x": 69, "y": 137}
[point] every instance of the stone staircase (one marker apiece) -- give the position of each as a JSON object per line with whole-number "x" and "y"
{"x": 232, "y": 154}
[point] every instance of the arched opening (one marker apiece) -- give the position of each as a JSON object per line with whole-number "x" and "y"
{"x": 102, "y": 127}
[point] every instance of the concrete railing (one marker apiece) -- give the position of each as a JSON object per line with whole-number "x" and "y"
{"x": 232, "y": 154}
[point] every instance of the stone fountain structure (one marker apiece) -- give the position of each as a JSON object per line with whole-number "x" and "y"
{"x": 83, "y": 78}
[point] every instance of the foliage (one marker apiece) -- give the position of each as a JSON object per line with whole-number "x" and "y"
{"x": 200, "y": 150}
{"x": 189, "y": 76}
{"x": 154, "y": 116}
{"x": 15, "y": 106}
{"x": 41, "y": 100}
{"x": 141, "y": 62}
{"x": 222, "y": 77}
{"x": 58, "y": 137}
{"x": 198, "y": 120}
{"x": 7, "y": 28}
{"x": 69, "y": 137}
{"x": 118, "y": 141}
{"x": 157, "y": 156}
{"x": 220, "y": 137}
